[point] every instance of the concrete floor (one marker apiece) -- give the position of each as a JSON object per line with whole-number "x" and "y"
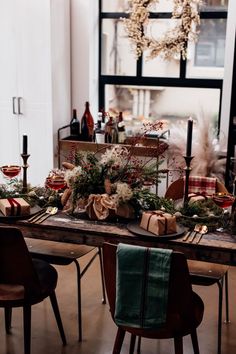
{"x": 98, "y": 328}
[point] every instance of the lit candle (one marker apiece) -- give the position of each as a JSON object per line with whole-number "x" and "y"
{"x": 189, "y": 137}
{"x": 25, "y": 144}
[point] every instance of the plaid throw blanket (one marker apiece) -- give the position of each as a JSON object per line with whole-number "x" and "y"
{"x": 202, "y": 185}
{"x": 142, "y": 286}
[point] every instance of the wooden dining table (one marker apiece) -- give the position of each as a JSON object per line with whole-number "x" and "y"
{"x": 215, "y": 247}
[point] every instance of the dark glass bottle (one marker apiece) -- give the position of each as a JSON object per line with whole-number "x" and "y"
{"x": 74, "y": 125}
{"x": 121, "y": 129}
{"x": 108, "y": 130}
{"x": 114, "y": 132}
{"x": 87, "y": 124}
{"x": 99, "y": 132}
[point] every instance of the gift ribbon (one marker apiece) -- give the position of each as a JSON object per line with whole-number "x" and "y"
{"x": 157, "y": 213}
{"x": 14, "y": 203}
{"x": 198, "y": 194}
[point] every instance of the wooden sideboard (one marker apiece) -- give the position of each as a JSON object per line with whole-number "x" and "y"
{"x": 147, "y": 148}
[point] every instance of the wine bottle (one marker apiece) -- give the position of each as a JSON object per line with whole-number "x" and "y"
{"x": 121, "y": 129}
{"x": 87, "y": 124}
{"x": 108, "y": 130}
{"x": 74, "y": 125}
{"x": 99, "y": 132}
{"x": 114, "y": 132}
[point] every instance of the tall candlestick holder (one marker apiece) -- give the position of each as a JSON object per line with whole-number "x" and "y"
{"x": 188, "y": 169}
{"x": 25, "y": 166}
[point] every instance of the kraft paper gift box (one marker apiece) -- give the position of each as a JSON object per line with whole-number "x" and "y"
{"x": 14, "y": 207}
{"x": 158, "y": 222}
{"x": 196, "y": 198}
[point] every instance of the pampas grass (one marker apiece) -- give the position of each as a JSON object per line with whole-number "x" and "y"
{"x": 205, "y": 161}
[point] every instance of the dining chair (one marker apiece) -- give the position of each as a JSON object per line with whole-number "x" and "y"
{"x": 63, "y": 254}
{"x": 206, "y": 273}
{"x": 24, "y": 282}
{"x": 184, "y": 310}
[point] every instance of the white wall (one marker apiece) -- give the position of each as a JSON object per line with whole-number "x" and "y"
{"x": 84, "y": 61}
{"x": 228, "y": 72}
{"x": 60, "y": 57}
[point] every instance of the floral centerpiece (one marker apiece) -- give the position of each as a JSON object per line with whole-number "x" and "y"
{"x": 109, "y": 184}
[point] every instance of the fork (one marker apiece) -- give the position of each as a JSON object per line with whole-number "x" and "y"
{"x": 48, "y": 213}
{"x": 36, "y": 215}
{"x": 189, "y": 237}
{"x": 197, "y": 229}
{"x": 44, "y": 212}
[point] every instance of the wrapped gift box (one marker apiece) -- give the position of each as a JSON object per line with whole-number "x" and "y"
{"x": 14, "y": 207}
{"x": 158, "y": 222}
{"x": 196, "y": 198}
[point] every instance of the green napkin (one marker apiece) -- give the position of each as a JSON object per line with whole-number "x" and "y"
{"x": 142, "y": 283}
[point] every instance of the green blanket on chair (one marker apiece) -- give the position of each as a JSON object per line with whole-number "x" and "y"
{"x": 142, "y": 283}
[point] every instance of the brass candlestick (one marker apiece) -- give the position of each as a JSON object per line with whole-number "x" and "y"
{"x": 188, "y": 169}
{"x": 25, "y": 166}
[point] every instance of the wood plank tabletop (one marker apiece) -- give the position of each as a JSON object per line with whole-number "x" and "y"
{"x": 214, "y": 247}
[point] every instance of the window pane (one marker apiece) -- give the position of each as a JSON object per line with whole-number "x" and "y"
{"x": 158, "y": 66}
{"x": 123, "y": 6}
{"x": 115, "y": 5}
{"x": 173, "y": 105}
{"x": 214, "y": 5}
{"x": 162, "y": 6}
{"x": 206, "y": 58}
{"x": 117, "y": 57}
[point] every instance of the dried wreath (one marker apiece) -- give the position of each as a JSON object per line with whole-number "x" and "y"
{"x": 174, "y": 41}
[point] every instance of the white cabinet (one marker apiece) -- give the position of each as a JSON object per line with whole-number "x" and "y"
{"x": 35, "y": 81}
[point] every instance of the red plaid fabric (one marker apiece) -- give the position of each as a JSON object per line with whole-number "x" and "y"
{"x": 202, "y": 185}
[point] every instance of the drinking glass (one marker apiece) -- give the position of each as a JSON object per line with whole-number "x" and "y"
{"x": 224, "y": 201}
{"x": 10, "y": 173}
{"x": 55, "y": 183}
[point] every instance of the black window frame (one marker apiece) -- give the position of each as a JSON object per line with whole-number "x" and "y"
{"x": 139, "y": 80}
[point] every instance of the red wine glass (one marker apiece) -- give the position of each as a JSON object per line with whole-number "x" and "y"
{"x": 10, "y": 171}
{"x": 55, "y": 182}
{"x": 224, "y": 201}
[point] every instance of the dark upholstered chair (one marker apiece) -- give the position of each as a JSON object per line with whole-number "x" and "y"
{"x": 206, "y": 273}
{"x": 184, "y": 307}
{"x": 61, "y": 253}
{"x": 24, "y": 282}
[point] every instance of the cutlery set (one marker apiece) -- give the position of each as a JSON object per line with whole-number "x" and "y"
{"x": 195, "y": 234}
{"x": 43, "y": 215}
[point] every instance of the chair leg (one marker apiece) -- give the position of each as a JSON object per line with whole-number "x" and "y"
{"x": 227, "y": 320}
{"x": 220, "y": 286}
{"x": 195, "y": 342}
{"x": 178, "y": 342}
{"x": 132, "y": 344}
{"x": 102, "y": 275}
{"x": 8, "y": 316}
{"x": 120, "y": 335}
{"x": 55, "y": 307}
{"x": 139, "y": 345}
{"x": 79, "y": 276}
{"x": 79, "y": 300}
{"x": 27, "y": 328}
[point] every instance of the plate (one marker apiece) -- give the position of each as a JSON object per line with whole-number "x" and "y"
{"x": 137, "y": 230}
{"x": 33, "y": 210}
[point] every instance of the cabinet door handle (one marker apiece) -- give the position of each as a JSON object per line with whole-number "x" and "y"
{"x": 13, "y": 105}
{"x": 19, "y": 100}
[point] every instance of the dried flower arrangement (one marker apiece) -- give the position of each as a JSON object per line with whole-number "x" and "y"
{"x": 116, "y": 175}
{"x": 206, "y": 161}
{"x": 174, "y": 41}
{"x": 112, "y": 178}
